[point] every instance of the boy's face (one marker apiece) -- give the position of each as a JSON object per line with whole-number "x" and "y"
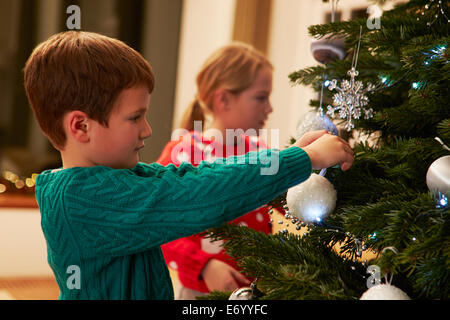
{"x": 118, "y": 145}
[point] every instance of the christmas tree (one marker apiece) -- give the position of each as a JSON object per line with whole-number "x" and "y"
{"x": 390, "y": 223}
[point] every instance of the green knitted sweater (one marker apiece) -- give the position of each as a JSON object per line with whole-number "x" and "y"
{"x": 104, "y": 226}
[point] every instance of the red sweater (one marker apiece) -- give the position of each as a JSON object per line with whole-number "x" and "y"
{"x": 189, "y": 255}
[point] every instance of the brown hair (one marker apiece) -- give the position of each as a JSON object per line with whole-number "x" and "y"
{"x": 84, "y": 71}
{"x": 233, "y": 67}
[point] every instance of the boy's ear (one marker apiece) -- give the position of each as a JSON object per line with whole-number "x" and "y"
{"x": 77, "y": 125}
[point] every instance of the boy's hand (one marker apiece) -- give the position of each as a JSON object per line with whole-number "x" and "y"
{"x": 220, "y": 276}
{"x": 309, "y": 137}
{"x": 327, "y": 151}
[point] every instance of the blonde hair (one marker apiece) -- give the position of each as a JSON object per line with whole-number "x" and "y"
{"x": 233, "y": 67}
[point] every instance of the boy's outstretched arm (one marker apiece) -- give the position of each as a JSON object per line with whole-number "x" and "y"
{"x": 126, "y": 211}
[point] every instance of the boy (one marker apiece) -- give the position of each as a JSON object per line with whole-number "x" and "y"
{"x": 104, "y": 214}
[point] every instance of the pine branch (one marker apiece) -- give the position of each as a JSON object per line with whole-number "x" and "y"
{"x": 290, "y": 267}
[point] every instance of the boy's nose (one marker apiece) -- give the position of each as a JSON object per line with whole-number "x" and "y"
{"x": 147, "y": 132}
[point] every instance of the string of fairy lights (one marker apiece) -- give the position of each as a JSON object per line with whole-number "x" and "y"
{"x": 434, "y": 9}
{"x": 12, "y": 183}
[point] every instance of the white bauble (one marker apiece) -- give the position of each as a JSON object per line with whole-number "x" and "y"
{"x": 312, "y": 200}
{"x": 313, "y": 121}
{"x": 384, "y": 292}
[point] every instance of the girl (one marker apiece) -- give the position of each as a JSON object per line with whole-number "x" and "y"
{"x": 234, "y": 87}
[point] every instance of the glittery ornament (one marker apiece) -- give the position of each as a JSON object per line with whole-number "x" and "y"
{"x": 314, "y": 121}
{"x": 350, "y": 99}
{"x": 384, "y": 292}
{"x": 312, "y": 200}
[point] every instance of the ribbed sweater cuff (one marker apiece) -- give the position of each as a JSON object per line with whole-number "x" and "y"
{"x": 297, "y": 163}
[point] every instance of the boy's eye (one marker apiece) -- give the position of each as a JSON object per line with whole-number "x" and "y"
{"x": 135, "y": 118}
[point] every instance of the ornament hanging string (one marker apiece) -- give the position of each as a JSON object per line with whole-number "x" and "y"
{"x": 394, "y": 250}
{"x": 442, "y": 143}
{"x": 355, "y": 57}
{"x": 333, "y": 9}
{"x": 321, "y": 97}
{"x": 333, "y": 13}
{"x": 323, "y": 171}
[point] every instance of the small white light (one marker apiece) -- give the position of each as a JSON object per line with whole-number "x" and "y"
{"x": 443, "y": 201}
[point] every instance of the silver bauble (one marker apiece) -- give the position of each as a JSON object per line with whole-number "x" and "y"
{"x": 438, "y": 176}
{"x": 313, "y": 121}
{"x": 245, "y": 293}
{"x": 326, "y": 50}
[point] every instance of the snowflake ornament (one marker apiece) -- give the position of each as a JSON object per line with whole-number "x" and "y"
{"x": 350, "y": 99}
